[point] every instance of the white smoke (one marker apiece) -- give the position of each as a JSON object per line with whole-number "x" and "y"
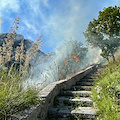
{"x": 93, "y": 56}
{"x": 47, "y": 72}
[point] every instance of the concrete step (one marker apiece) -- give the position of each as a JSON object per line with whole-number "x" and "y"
{"x": 75, "y": 104}
{"x": 76, "y": 93}
{"x": 66, "y": 111}
{"x": 90, "y": 77}
{"x": 87, "y": 88}
{"x": 73, "y": 101}
{"x": 86, "y": 80}
{"x": 85, "y": 112}
{"x": 70, "y": 118}
{"x": 85, "y": 83}
{"x": 67, "y": 118}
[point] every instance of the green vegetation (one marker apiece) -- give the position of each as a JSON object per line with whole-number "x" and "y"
{"x": 104, "y": 32}
{"x": 106, "y": 92}
{"x": 13, "y": 97}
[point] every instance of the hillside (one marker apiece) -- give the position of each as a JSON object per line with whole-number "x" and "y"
{"x": 106, "y": 93}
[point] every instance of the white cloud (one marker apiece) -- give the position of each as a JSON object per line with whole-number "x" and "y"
{"x": 62, "y": 21}
{"x": 66, "y": 25}
{"x": 36, "y": 16}
{"x": 68, "y": 22}
{"x": 36, "y": 4}
{"x": 9, "y": 5}
{"x": 30, "y": 26}
{"x": 35, "y": 7}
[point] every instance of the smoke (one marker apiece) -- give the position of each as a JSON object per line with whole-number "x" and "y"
{"x": 48, "y": 71}
{"x": 93, "y": 56}
{"x": 56, "y": 27}
{"x": 57, "y": 21}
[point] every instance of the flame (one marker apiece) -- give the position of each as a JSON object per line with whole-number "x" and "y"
{"x": 76, "y": 58}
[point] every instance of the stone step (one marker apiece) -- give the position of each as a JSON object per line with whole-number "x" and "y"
{"x": 75, "y": 104}
{"x": 90, "y": 77}
{"x": 87, "y": 88}
{"x": 76, "y": 93}
{"x": 85, "y": 83}
{"x": 73, "y": 101}
{"x": 85, "y": 112}
{"x": 69, "y": 118}
{"x": 86, "y": 80}
{"x": 66, "y": 111}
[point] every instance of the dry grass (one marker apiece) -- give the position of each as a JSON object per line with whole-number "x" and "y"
{"x": 13, "y": 97}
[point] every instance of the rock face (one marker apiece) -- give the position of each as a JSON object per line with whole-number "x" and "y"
{"x": 18, "y": 39}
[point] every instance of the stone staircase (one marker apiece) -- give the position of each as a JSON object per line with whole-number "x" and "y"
{"x": 74, "y": 104}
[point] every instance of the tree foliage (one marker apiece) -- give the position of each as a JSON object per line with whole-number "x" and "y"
{"x": 74, "y": 61}
{"x": 104, "y": 32}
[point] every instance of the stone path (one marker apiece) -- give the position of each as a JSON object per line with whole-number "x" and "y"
{"x": 74, "y": 104}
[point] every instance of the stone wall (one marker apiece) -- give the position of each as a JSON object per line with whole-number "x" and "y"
{"x": 47, "y": 95}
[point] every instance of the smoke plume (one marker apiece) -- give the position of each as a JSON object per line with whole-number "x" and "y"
{"x": 48, "y": 71}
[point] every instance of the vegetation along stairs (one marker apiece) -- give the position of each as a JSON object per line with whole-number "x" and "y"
{"x": 67, "y": 99}
{"x": 75, "y": 103}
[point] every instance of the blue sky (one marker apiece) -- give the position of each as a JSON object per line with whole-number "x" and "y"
{"x": 56, "y": 20}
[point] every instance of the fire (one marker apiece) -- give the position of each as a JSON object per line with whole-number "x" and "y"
{"x": 76, "y": 58}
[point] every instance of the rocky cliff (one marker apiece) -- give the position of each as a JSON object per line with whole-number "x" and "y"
{"x": 18, "y": 39}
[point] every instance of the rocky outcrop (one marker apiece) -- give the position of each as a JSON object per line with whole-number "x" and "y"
{"x": 18, "y": 39}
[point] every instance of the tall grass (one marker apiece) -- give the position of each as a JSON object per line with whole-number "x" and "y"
{"x": 106, "y": 92}
{"x": 13, "y": 96}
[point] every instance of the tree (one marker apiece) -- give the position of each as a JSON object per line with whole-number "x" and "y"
{"x": 74, "y": 61}
{"x": 104, "y": 32}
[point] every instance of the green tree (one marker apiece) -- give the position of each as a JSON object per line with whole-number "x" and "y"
{"x": 104, "y": 32}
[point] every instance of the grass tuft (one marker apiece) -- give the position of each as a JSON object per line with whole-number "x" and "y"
{"x": 13, "y": 97}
